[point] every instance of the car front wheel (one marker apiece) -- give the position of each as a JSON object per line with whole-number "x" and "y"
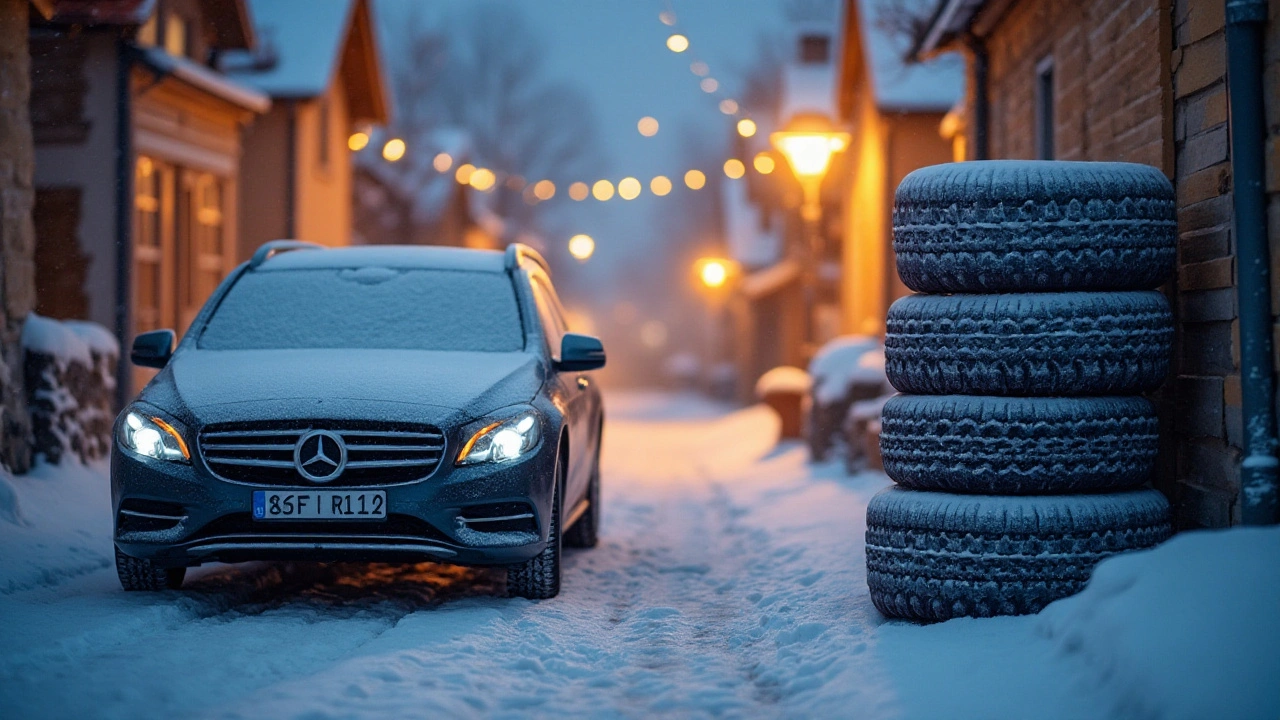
{"x": 539, "y": 577}
{"x": 139, "y": 574}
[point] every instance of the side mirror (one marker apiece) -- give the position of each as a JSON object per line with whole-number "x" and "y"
{"x": 152, "y": 349}
{"x": 579, "y": 353}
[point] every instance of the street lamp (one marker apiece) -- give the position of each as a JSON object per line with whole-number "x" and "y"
{"x": 808, "y": 141}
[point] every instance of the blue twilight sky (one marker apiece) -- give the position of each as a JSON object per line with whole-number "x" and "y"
{"x": 615, "y": 52}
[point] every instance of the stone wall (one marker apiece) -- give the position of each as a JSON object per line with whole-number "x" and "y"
{"x": 17, "y": 237}
{"x": 70, "y": 371}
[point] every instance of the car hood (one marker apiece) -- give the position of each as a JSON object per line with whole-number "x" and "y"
{"x": 411, "y": 385}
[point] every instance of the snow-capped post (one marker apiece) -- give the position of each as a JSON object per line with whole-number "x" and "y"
{"x": 1025, "y": 373}
{"x": 784, "y": 390}
{"x": 70, "y": 369}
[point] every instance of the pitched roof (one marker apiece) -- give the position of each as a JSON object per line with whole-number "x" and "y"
{"x": 302, "y": 44}
{"x": 932, "y": 86}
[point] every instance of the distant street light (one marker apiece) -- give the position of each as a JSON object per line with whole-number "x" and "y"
{"x": 746, "y": 127}
{"x": 393, "y": 150}
{"x": 677, "y": 43}
{"x": 808, "y": 141}
{"x": 582, "y": 247}
{"x": 660, "y": 185}
{"x": 694, "y": 179}
{"x": 442, "y": 162}
{"x": 602, "y": 190}
{"x": 357, "y": 141}
{"x": 713, "y": 272}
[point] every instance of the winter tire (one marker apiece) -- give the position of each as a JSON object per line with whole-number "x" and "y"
{"x": 585, "y": 533}
{"x": 1029, "y": 344}
{"x": 1010, "y": 226}
{"x": 1018, "y": 446}
{"x": 934, "y": 556}
{"x": 539, "y": 577}
{"x": 140, "y": 574}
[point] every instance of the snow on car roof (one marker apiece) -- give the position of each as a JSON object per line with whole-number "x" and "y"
{"x": 391, "y": 256}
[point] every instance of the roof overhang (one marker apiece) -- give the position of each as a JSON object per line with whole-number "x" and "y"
{"x": 955, "y": 19}
{"x": 203, "y": 79}
{"x": 362, "y": 70}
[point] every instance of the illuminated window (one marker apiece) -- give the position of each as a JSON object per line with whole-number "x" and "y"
{"x": 175, "y": 35}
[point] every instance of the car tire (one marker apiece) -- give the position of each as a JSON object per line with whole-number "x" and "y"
{"x": 138, "y": 574}
{"x": 1046, "y": 344}
{"x": 539, "y": 577}
{"x": 935, "y": 556}
{"x": 585, "y": 533}
{"x": 990, "y": 227}
{"x": 1018, "y": 446}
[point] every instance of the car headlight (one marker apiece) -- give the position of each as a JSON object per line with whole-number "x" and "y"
{"x": 503, "y": 440}
{"x": 153, "y": 437}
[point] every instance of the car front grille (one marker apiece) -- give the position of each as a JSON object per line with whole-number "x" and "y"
{"x": 377, "y": 453}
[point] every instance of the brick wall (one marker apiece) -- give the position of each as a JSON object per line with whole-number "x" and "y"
{"x": 17, "y": 238}
{"x": 1107, "y": 68}
{"x": 1144, "y": 81}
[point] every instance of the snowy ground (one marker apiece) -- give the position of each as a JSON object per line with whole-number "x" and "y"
{"x": 729, "y": 582}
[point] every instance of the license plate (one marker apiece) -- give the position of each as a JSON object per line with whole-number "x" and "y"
{"x": 320, "y": 505}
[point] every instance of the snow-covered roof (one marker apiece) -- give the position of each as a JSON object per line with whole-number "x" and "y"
{"x": 202, "y": 78}
{"x": 306, "y": 38}
{"x": 935, "y": 85}
{"x": 808, "y": 89}
{"x": 748, "y": 242}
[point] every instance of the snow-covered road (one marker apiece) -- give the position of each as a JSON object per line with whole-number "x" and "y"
{"x": 729, "y": 582}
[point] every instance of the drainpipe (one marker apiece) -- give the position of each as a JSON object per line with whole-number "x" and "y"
{"x": 124, "y": 219}
{"x": 981, "y": 99}
{"x": 1258, "y": 470}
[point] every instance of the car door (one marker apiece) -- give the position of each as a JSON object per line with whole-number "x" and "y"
{"x": 573, "y": 387}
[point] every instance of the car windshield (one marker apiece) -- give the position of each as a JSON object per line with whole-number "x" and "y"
{"x": 372, "y": 307}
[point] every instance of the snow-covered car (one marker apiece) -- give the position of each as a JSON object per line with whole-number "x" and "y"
{"x": 366, "y": 404}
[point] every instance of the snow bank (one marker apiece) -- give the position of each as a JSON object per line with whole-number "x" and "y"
{"x": 1190, "y": 629}
{"x": 9, "y": 509}
{"x": 68, "y": 341}
{"x": 839, "y": 364}
{"x": 785, "y": 379}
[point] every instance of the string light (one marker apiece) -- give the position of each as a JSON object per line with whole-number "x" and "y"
{"x": 734, "y": 168}
{"x": 709, "y": 85}
{"x": 667, "y": 17}
{"x": 579, "y": 191}
{"x": 660, "y": 185}
{"x": 695, "y": 180}
{"x": 746, "y": 127}
{"x": 544, "y": 190}
{"x": 442, "y": 162}
{"x": 648, "y": 126}
{"x": 463, "y": 175}
{"x": 764, "y": 163}
{"x": 393, "y": 150}
{"x": 358, "y": 141}
{"x": 602, "y": 190}
{"x": 482, "y": 179}
{"x": 629, "y": 188}
{"x": 677, "y": 43}
{"x": 515, "y": 182}
{"x": 699, "y": 68}
{"x": 729, "y": 106}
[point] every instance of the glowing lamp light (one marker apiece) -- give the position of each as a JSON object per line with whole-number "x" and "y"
{"x": 764, "y": 163}
{"x": 746, "y": 127}
{"x": 808, "y": 142}
{"x": 393, "y": 150}
{"x": 734, "y": 169}
{"x": 579, "y": 191}
{"x": 648, "y": 126}
{"x": 695, "y": 180}
{"x": 629, "y": 188}
{"x": 463, "y": 173}
{"x": 677, "y": 43}
{"x": 442, "y": 162}
{"x": 582, "y": 247}
{"x": 602, "y": 190}
{"x": 544, "y": 190}
{"x": 713, "y": 273}
{"x": 729, "y": 106}
{"x": 358, "y": 141}
{"x": 709, "y": 85}
{"x": 660, "y": 185}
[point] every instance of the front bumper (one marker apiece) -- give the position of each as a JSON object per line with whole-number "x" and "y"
{"x": 203, "y": 518}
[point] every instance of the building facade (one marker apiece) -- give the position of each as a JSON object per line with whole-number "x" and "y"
{"x": 1139, "y": 81}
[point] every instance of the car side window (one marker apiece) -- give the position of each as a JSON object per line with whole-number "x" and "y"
{"x": 552, "y": 324}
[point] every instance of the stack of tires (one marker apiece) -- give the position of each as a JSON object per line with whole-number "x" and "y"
{"x": 1023, "y": 445}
